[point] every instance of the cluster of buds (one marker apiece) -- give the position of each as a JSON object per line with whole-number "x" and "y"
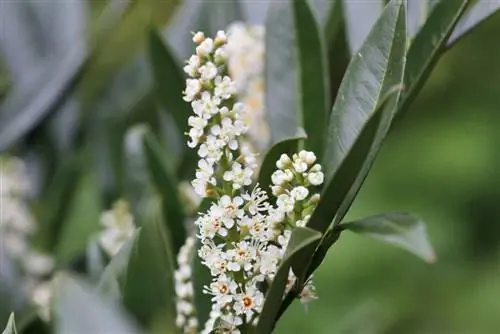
{"x": 186, "y": 315}
{"x": 17, "y": 225}
{"x": 118, "y": 227}
{"x": 243, "y": 237}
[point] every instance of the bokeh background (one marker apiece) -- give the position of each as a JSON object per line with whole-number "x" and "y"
{"x": 441, "y": 161}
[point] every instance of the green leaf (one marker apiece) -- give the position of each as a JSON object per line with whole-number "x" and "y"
{"x": 427, "y": 47}
{"x": 201, "y": 278}
{"x": 281, "y": 80}
{"x": 481, "y": 11}
{"x": 328, "y": 14}
{"x": 11, "y": 326}
{"x": 301, "y": 238}
{"x": 169, "y": 85}
{"x": 113, "y": 278}
{"x": 80, "y": 310}
{"x": 285, "y": 146}
{"x": 165, "y": 183}
{"x": 94, "y": 259}
{"x": 360, "y": 16}
{"x": 400, "y": 229}
{"x": 149, "y": 287}
{"x": 313, "y": 75}
{"x": 371, "y": 76}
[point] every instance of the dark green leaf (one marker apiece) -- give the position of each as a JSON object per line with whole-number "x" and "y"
{"x": 149, "y": 287}
{"x": 79, "y": 310}
{"x": 11, "y": 326}
{"x": 281, "y": 80}
{"x": 370, "y": 77}
{"x": 112, "y": 280}
{"x": 360, "y": 16}
{"x": 328, "y": 14}
{"x": 300, "y": 239}
{"x": 313, "y": 73}
{"x": 399, "y": 229}
{"x": 427, "y": 48}
{"x": 164, "y": 181}
{"x": 480, "y": 12}
{"x": 201, "y": 278}
{"x": 285, "y": 146}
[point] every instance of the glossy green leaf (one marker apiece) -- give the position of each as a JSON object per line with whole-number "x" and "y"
{"x": 400, "y": 229}
{"x": 149, "y": 286}
{"x": 313, "y": 75}
{"x": 112, "y": 280}
{"x": 285, "y": 146}
{"x": 300, "y": 238}
{"x": 427, "y": 47}
{"x": 481, "y": 11}
{"x": 11, "y": 326}
{"x": 371, "y": 75}
{"x": 164, "y": 181}
{"x": 169, "y": 85}
{"x": 80, "y": 310}
{"x": 281, "y": 80}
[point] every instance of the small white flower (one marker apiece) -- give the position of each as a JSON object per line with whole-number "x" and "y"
{"x": 299, "y": 166}
{"x": 191, "y": 68}
{"x": 221, "y": 37}
{"x": 224, "y": 87}
{"x": 283, "y": 162}
{"x": 193, "y": 87}
{"x": 299, "y": 193}
{"x": 308, "y": 157}
{"x": 249, "y": 302}
{"x": 198, "y": 37}
{"x": 208, "y": 71}
{"x": 316, "y": 178}
{"x": 285, "y": 203}
{"x": 205, "y": 47}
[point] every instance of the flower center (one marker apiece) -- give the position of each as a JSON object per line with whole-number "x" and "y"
{"x": 247, "y": 301}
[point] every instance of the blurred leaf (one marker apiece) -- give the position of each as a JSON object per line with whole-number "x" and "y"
{"x": 94, "y": 259}
{"x": 427, "y": 47}
{"x": 360, "y": 16}
{"x": 301, "y": 237}
{"x": 219, "y": 14}
{"x": 165, "y": 183}
{"x": 399, "y": 229}
{"x": 480, "y": 12}
{"x": 81, "y": 311}
{"x": 285, "y": 146}
{"x": 281, "y": 81}
{"x": 113, "y": 278}
{"x": 11, "y": 326}
{"x": 201, "y": 277}
{"x": 11, "y": 296}
{"x": 314, "y": 84}
{"x": 371, "y": 75}
{"x": 149, "y": 287}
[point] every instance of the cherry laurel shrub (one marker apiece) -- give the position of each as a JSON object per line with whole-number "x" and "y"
{"x": 228, "y": 233}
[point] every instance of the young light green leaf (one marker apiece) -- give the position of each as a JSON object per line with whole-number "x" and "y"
{"x": 313, "y": 75}
{"x": 80, "y": 310}
{"x": 372, "y": 74}
{"x": 301, "y": 238}
{"x": 399, "y": 229}
{"x": 427, "y": 47}
{"x": 112, "y": 280}
{"x": 164, "y": 181}
{"x": 11, "y": 326}
{"x": 481, "y": 11}
{"x": 169, "y": 85}
{"x": 281, "y": 81}
{"x": 148, "y": 291}
{"x": 285, "y": 146}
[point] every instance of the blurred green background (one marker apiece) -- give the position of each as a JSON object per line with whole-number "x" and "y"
{"x": 440, "y": 162}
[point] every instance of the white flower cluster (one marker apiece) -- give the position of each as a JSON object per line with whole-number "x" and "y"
{"x": 245, "y": 57}
{"x": 186, "y": 313}
{"x": 17, "y": 225}
{"x": 118, "y": 224}
{"x": 243, "y": 236}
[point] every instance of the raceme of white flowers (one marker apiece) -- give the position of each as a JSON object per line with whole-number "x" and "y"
{"x": 243, "y": 237}
{"x": 118, "y": 227}
{"x": 17, "y": 225}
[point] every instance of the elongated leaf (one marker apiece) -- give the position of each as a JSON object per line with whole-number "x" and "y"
{"x": 301, "y": 238}
{"x": 112, "y": 280}
{"x": 480, "y": 12}
{"x": 360, "y": 16}
{"x": 80, "y": 310}
{"x": 371, "y": 75}
{"x": 281, "y": 80}
{"x": 11, "y": 326}
{"x": 286, "y": 146}
{"x": 428, "y": 46}
{"x": 313, "y": 73}
{"x": 166, "y": 185}
{"x": 149, "y": 292}
{"x": 201, "y": 278}
{"x": 94, "y": 260}
{"x": 399, "y": 229}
